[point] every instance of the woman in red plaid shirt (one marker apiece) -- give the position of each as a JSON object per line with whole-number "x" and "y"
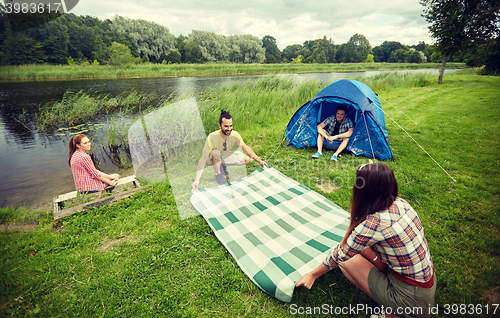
{"x": 87, "y": 178}
{"x": 384, "y": 251}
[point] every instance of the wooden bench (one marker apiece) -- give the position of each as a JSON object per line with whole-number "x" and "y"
{"x": 97, "y": 203}
{"x": 72, "y": 195}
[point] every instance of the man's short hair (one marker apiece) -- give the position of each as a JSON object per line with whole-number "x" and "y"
{"x": 342, "y": 107}
{"x": 224, "y": 114}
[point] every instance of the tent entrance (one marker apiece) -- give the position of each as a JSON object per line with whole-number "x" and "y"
{"x": 362, "y": 105}
{"x": 328, "y": 107}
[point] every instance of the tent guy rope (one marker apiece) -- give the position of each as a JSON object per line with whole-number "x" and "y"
{"x": 454, "y": 180}
{"x": 397, "y": 109}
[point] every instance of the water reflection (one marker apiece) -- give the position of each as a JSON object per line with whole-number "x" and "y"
{"x": 35, "y": 165}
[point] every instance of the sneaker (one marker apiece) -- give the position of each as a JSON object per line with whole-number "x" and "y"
{"x": 317, "y": 155}
{"x": 333, "y": 158}
{"x": 382, "y": 315}
{"x": 220, "y": 178}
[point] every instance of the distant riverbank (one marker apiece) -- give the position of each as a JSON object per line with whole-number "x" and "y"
{"x": 65, "y": 72}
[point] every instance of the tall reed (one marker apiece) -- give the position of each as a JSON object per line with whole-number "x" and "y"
{"x": 76, "y": 107}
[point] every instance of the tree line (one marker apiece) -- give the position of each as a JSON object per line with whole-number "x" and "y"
{"x": 120, "y": 40}
{"x": 72, "y": 39}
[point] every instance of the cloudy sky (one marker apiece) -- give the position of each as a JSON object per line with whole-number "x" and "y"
{"x": 289, "y": 21}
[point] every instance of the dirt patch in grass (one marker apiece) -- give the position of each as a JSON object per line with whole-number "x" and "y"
{"x": 493, "y": 295}
{"x": 327, "y": 187}
{"x": 114, "y": 243}
{"x": 57, "y": 228}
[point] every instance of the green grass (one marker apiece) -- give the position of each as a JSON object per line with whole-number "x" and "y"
{"x": 138, "y": 258}
{"x": 56, "y": 72}
{"x": 76, "y": 107}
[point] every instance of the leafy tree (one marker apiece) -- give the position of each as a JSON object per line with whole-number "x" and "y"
{"x": 356, "y": 49}
{"x": 191, "y": 53}
{"x": 305, "y": 53}
{"x": 339, "y": 54}
{"x": 420, "y": 46}
{"x": 273, "y": 54}
{"x": 321, "y": 58}
{"x": 456, "y": 24}
{"x": 298, "y": 59}
{"x": 398, "y": 56}
{"x": 309, "y": 44}
{"x": 492, "y": 64}
{"x": 246, "y": 49}
{"x": 323, "y": 50}
{"x": 478, "y": 55}
{"x": 428, "y": 50}
{"x": 407, "y": 56}
{"x": 82, "y": 37}
{"x": 173, "y": 57}
{"x": 436, "y": 57}
{"x": 179, "y": 40}
{"x": 20, "y": 49}
{"x": 213, "y": 47}
{"x": 147, "y": 38}
{"x": 120, "y": 54}
{"x": 382, "y": 53}
{"x": 414, "y": 56}
{"x": 53, "y": 51}
{"x": 370, "y": 58}
{"x": 289, "y": 52}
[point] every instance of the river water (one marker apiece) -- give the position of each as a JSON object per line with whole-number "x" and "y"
{"x": 34, "y": 165}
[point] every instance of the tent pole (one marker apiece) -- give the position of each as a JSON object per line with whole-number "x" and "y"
{"x": 368, "y": 134}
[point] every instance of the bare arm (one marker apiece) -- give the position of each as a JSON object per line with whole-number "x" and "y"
{"x": 106, "y": 176}
{"x": 107, "y": 179}
{"x": 308, "y": 279}
{"x": 252, "y": 155}
{"x": 199, "y": 170}
{"x": 347, "y": 134}
{"x": 322, "y": 131}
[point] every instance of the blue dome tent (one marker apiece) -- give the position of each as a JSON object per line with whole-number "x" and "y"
{"x": 369, "y": 137}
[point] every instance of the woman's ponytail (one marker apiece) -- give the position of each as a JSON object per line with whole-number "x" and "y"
{"x": 73, "y": 141}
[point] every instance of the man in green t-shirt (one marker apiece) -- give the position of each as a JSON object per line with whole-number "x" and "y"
{"x": 223, "y": 148}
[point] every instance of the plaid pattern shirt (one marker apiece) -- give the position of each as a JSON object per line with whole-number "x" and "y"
{"x": 85, "y": 173}
{"x": 345, "y": 125}
{"x": 397, "y": 236}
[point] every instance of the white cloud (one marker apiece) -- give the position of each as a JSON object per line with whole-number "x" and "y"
{"x": 289, "y": 21}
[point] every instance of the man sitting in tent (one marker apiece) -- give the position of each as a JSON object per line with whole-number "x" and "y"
{"x": 339, "y": 127}
{"x": 220, "y": 150}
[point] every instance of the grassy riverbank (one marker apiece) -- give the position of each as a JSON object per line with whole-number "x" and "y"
{"x": 76, "y": 107}
{"x": 64, "y": 72}
{"x": 138, "y": 258}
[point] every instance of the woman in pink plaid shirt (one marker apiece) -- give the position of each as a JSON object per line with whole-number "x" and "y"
{"x": 87, "y": 178}
{"x": 384, "y": 251}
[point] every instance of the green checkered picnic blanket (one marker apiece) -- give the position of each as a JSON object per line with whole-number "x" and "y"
{"x": 276, "y": 229}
